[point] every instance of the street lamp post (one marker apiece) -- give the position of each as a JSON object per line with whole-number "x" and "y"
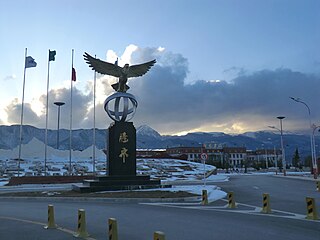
{"x": 59, "y": 104}
{"x": 313, "y": 157}
{"x": 276, "y": 158}
{"x": 314, "y": 127}
{"x": 284, "y": 164}
{"x": 265, "y": 155}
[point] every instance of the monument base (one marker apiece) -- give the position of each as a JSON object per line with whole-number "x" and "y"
{"x": 112, "y": 183}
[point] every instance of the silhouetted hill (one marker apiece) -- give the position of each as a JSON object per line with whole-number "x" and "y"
{"x": 149, "y": 138}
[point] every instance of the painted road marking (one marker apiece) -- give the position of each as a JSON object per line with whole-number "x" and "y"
{"x": 254, "y": 210}
{"x": 43, "y": 224}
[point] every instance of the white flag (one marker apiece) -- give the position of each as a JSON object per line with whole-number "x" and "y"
{"x": 30, "y": 62}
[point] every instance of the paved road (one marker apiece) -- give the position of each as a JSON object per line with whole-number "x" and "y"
{"x": 24, "y": 219}
{"x": 286, "y": 194}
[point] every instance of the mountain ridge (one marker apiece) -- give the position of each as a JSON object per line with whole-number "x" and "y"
{"x": 148, "y": 138}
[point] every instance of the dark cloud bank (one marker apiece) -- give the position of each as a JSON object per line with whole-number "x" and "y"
{"x": 169, "y": 105}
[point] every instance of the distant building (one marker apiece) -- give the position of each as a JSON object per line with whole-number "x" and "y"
{"x": 235, "y": 155}
{"x": 223, "y": 156}
{"x": 263, "y": 155}
{"x": 189, "y": 153}
{"x": 151, "y": 153}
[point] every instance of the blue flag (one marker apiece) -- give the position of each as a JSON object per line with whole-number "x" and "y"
{"x": 30, "y": 62}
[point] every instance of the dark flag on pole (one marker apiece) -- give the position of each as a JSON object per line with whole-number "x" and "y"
{"x": 30, "y": 62}
{"x": 52, "y": 55}
{"x": 73, "y": 79}
{"x": 73, "y": 75}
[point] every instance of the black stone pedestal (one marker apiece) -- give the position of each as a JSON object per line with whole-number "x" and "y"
{"x": 112, "y": 183}
{"x": 121, "y": 164}
{"x": 121, "y": 149}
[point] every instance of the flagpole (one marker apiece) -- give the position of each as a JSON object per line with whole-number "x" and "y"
{"x": 70, "y": 137}
{"x": 22, "y": 104}
{"x": 94, "y": 124}
{"x": 47, "y": 113}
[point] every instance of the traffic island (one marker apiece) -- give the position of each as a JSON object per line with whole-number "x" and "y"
{"x": 121, "y": 171}
{"x": 48, "y": 179}
{"x": 113, "y": 183}
{"x": 155, "y": 194}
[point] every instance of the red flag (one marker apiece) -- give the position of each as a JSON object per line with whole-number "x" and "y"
{"x": 73, "y": 75}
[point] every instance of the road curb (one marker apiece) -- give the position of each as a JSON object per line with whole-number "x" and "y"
{"x": 107, "y": 200}
{"x": 297, "y": 177}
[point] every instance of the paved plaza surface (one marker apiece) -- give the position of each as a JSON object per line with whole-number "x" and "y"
{"x": 26, "y": 218}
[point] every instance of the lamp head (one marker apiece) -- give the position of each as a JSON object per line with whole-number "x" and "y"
{"x": 59, "y": 103}
{"x": 295, "y": 99}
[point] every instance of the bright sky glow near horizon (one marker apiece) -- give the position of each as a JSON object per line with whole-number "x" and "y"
{"x": 222, "y": 65}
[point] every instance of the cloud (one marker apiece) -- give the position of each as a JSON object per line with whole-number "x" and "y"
{"x": 80, "y": 105}
{"x": 251, "y": 101}
{"x": 13, "y": 111}
{"x": 11, "y": 77}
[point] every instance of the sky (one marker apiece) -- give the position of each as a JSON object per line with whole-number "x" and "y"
{"x": 222, "y": 65}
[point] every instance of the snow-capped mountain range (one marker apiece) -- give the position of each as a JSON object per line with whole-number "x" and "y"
{"x": 151, "y": 139}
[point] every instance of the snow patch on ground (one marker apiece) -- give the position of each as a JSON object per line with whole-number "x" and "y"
{"x": 214, "y": 193}
{"x": 182, "y": 175}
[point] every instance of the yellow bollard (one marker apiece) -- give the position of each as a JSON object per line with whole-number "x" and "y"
{"x": 311, "y": 209}
{"x": 204, "y": 197}
{"x": 82, "y": 230}
{"x": 159, "y": 236}
{"x": 113, "y": 229}
{"x": 318, "y": 186}
{"x": 51, "y": 223}
{"x": 266, "y": 203}
{"x": 231, "y": 202}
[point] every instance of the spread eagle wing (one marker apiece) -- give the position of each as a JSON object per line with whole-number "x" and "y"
{"x": 102, "y": 66}
{"x": 140, "y": 69}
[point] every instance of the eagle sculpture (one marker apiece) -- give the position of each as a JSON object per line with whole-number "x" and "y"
{"x": 123, "y": 73}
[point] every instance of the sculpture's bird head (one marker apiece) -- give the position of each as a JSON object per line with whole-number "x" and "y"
{"x": 125, "y": 68}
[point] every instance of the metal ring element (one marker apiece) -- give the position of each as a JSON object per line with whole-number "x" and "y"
{"x": 121, "y": 100}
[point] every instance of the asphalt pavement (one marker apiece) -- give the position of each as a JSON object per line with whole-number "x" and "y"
{"x": 286, "y": 193}
{"x": 25, "y": 218}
